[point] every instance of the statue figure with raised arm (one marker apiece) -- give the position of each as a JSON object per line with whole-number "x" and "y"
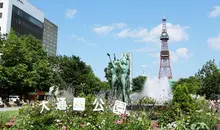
{"x": 124, "y": 77}
{"x": 112, "y": 75}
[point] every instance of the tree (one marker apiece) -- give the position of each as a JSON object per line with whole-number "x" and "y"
{"x": 191, "y": 83}
{"x": 183, "y": 99}
{"x": 138, "y": 83}
{"x": 74, "y": 73}
{"x": 209, "y": 80}
{"x": 2, "y": 42}
{"x": 25, "y": 66}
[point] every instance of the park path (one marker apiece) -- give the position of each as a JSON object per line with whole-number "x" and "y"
{"x": 9, "y": 109}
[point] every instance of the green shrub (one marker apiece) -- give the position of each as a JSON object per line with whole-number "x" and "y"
{"x": 182, "y": 104}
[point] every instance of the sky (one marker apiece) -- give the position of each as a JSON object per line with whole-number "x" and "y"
{"x": 92, "y": 28}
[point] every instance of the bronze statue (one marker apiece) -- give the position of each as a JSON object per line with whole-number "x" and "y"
{"x": 117, "y": 74}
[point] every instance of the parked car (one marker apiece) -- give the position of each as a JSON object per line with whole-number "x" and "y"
{"x": 13, "y": 98}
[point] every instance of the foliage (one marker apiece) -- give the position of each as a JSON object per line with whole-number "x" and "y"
{"x": 193, "y": 113}
{"x": 183, "y": 99}
{"x": 205, "y": 82}
{"x": 209, "y": 80}
{"x": 25, "y": 67}
{"x": 191, "y": 83}
{"x": 146, "y": 100}
{"x": 182, "y": 104}
{"x": 200, "y": 103}
{"x": 24, "y": 64}
{"x": 199, "y": 126}
{"x": 73, "y": 72}
{"x": 138, "y": 83}
{"x": 6, "y": 117}
{"x": 30, "y": 118}
{"x": 199, "y": 120}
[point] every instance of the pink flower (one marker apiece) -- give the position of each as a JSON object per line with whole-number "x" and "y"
{"x": 64, "y": 128}
{"x": 82, "y": 125}
{"x": 218, "y": 125}
{"x": 57, "y": 124}
{"x": 118, "y": 122}
{"x": 12, "y": 120}
{"x": 124, "y": 115}
{"x": 10, "y": 124}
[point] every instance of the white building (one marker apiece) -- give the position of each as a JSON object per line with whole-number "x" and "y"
{"x": 6, "y": 9}
{"x": 25, "y": 19}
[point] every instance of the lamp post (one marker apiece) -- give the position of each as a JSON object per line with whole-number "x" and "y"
{"x": 82, "y": 84}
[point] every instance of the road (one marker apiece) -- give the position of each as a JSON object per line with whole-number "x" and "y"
{"x": 10, "y": 109}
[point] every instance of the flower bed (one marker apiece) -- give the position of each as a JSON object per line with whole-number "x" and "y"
{"x": 30, "y": 118}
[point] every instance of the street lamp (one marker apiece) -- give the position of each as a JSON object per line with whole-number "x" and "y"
{"x": 82, "y": 84}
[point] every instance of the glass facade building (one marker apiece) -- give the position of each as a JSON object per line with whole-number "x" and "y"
{"x": 24, "y": 24}
{"x": 26, "y": 19}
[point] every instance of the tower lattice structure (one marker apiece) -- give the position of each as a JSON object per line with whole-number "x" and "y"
{"x": 165, "y": 69}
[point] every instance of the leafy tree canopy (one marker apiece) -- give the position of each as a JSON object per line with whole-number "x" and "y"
{"x": 74, "y": 73}
{"x": 138, "y": 83}
{"x": 209, "y": 80}
{"x": 24, "y": 64}
{"x": 192, "y": 84}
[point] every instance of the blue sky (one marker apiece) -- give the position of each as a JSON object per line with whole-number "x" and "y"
{"x": 90, "y": 29}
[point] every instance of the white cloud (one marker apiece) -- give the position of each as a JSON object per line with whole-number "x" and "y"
{"x": 173, "y": 56}
{"x": 103, "y": 29}
{"x": 183, "y": 53}
{"x": 82, "y": 40}
{"x": 70, "y": 13}
{"x": 214, "y": 42}
{"x": 136, "y": 33}
{"x": 108, "y": 28}
{"x": 215, "y": 12}
{"x": 176, "y": 33}
{"x": 146, "y": 49}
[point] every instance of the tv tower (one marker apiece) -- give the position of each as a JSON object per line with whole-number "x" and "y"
{"x": 165, "y": 69}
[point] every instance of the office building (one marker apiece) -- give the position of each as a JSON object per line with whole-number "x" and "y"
{"x": 25, "y": 19}
{"x": 50, "y": 37}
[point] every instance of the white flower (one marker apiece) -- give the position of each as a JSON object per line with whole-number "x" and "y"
{"x": 139, "y": 119}
{"x": 103, "y": 122}
{"x": 57, "y": 120}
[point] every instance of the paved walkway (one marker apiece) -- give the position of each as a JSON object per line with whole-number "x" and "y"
{"x": 9, "y": 109}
